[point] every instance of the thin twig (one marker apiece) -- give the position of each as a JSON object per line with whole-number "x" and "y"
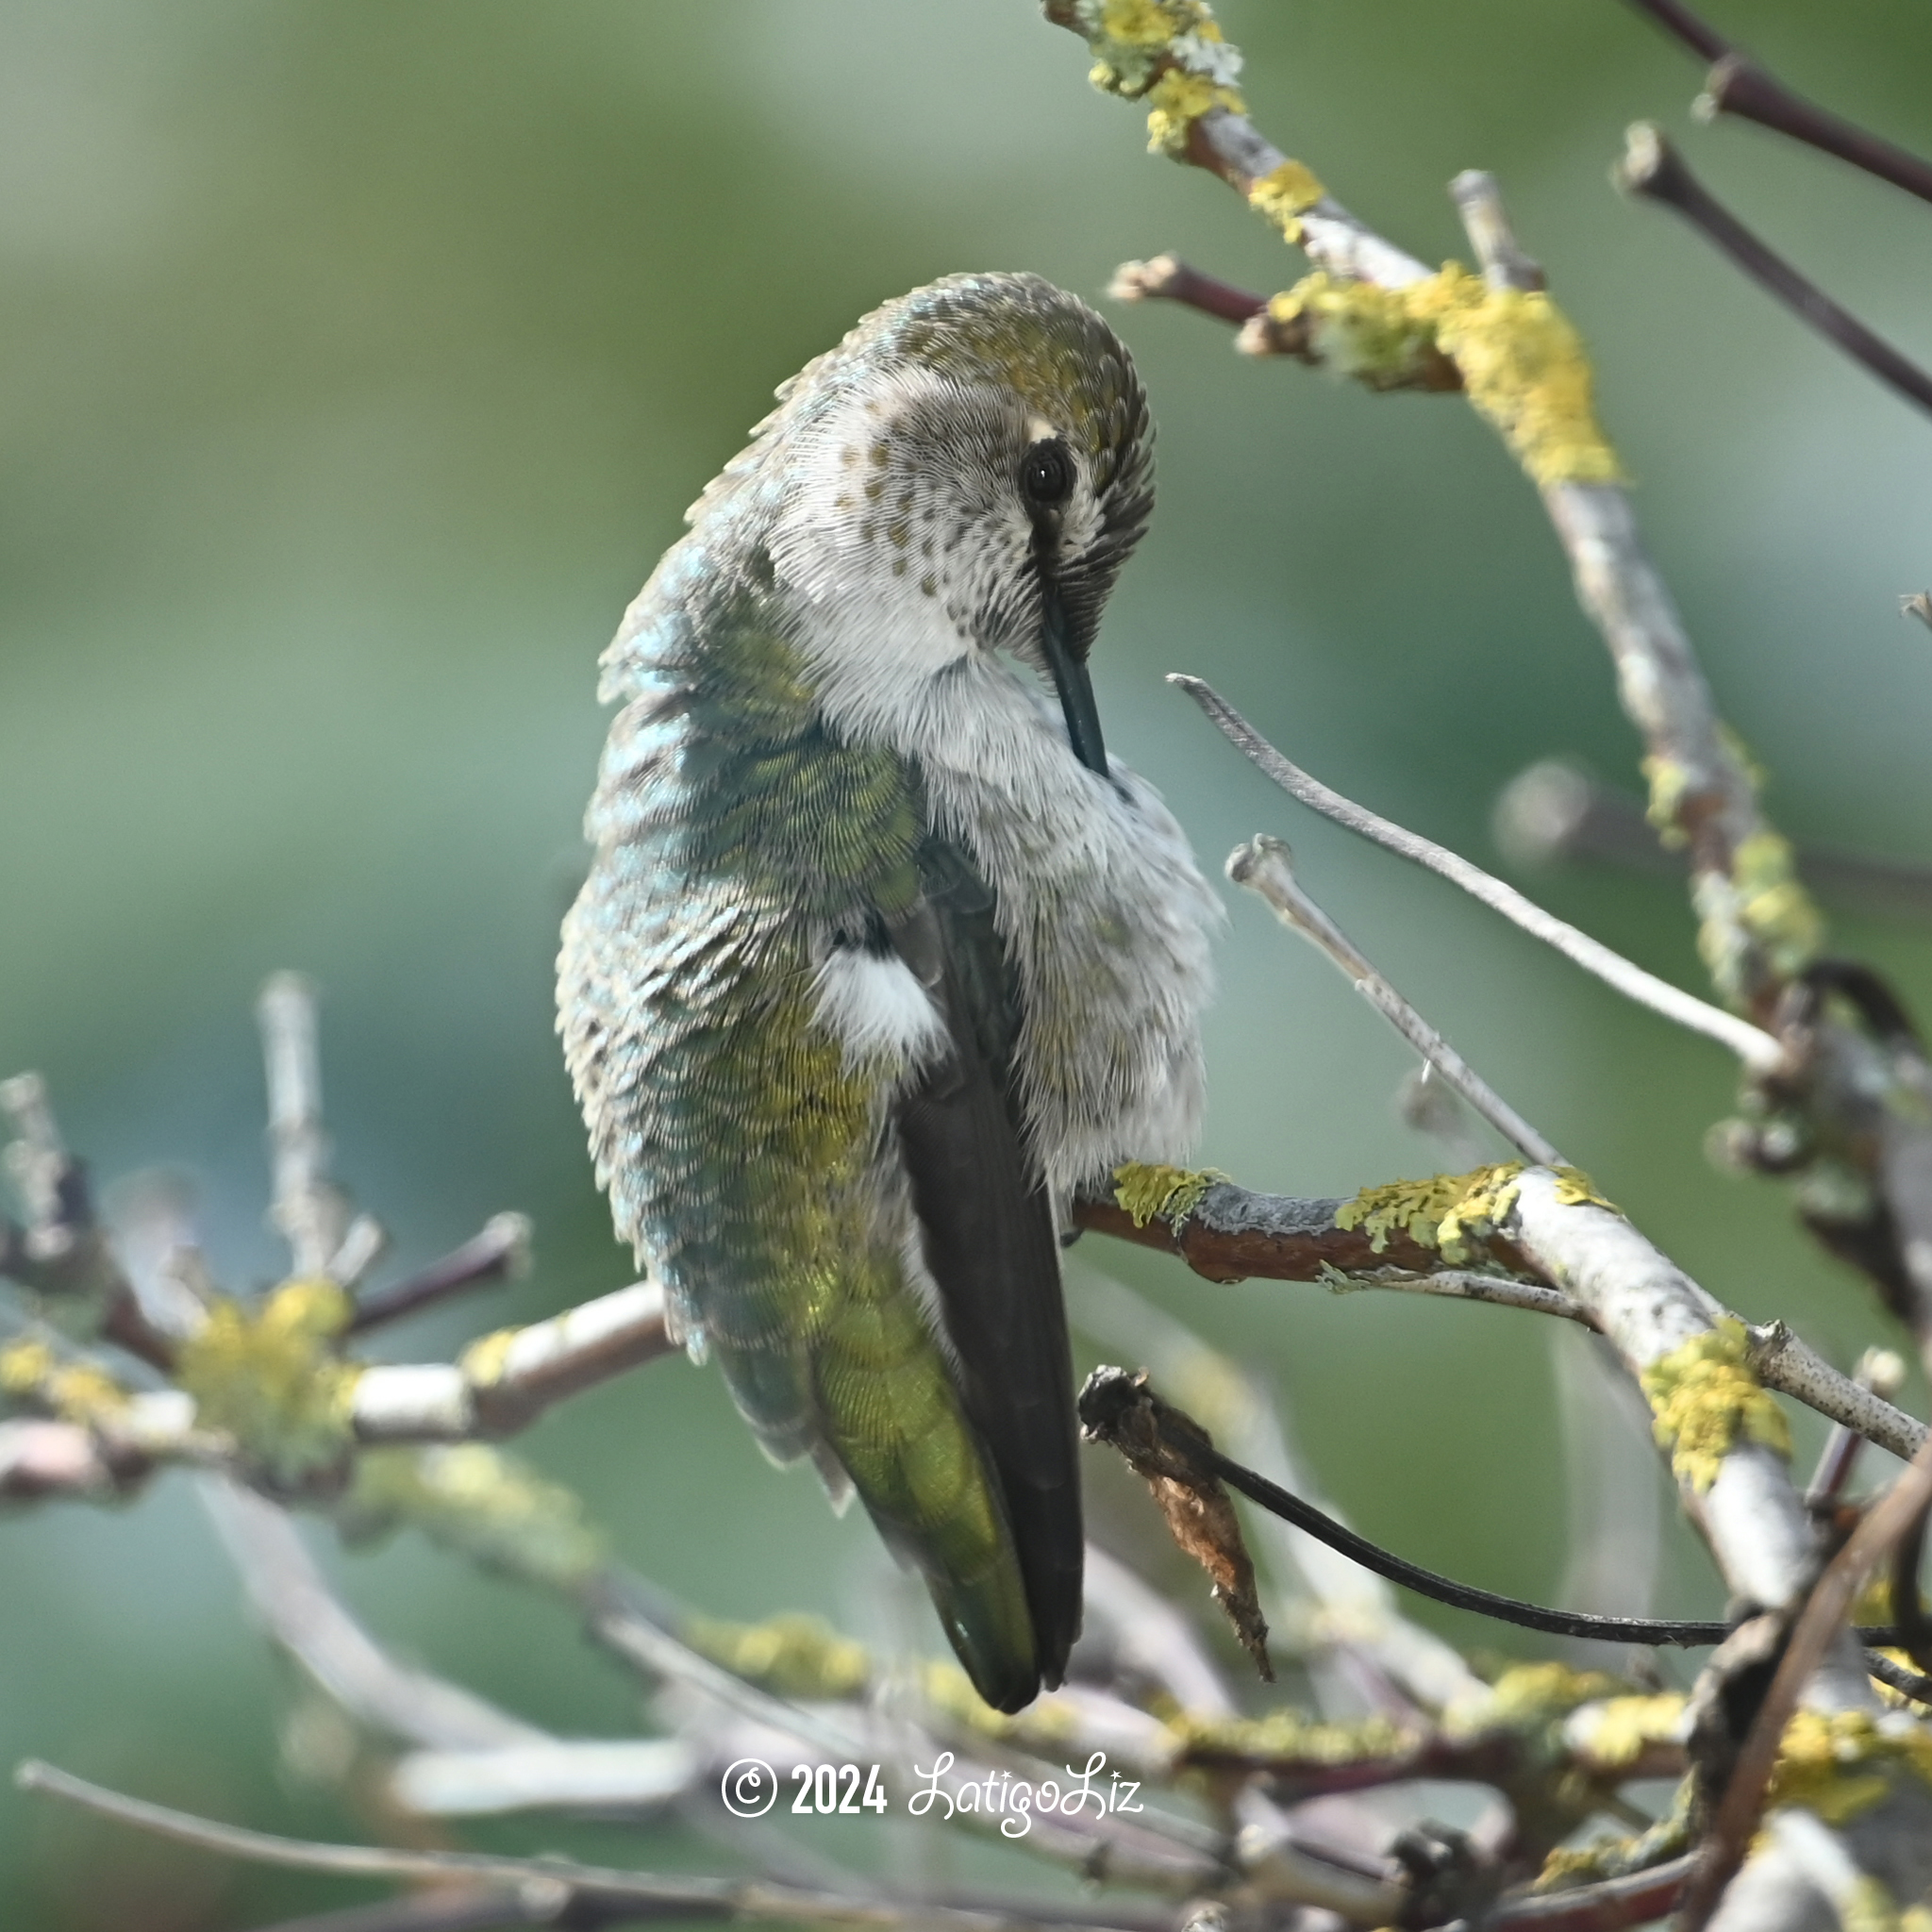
{"x": 1459, "y": 1284}
{"x": 1755, "y": 1047}
{"x": 500, "y": 1253}
{"x": 1264, "y": 865}
{"x": 1653, "y": 169}
{"x": 1167, "y": 278}
{"x": 1554, "y": 809}
{"x": 1817, "y": 1625}
{"x": 444, "y": 1910}
{"x": 1479, "y": 202}
{"x": 563, "y": 1881}
{"x": 289, "y": 1593}
{"x": 306, "y": 1211}
{"x": 1882, "y": 1374}
{"x": 1736, "y": 85}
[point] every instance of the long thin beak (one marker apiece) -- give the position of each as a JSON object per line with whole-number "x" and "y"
{"x": 1075, "y": 688}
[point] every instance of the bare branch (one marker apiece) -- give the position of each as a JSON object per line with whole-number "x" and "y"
{"x": 308, "y": 1211}
{"x": 1479, "y": 202}
{"x": 500, "y": 1253}
{"x": 303, "y": 1615}
{"x": 1167, "y": 278}
{"x": 1265, "y": 866}
{"x": 504, "y": 1381}
{"x": 1759, "y": 1050}
{"x": 41, "y": 1459}
{"x": 1736, "y": 85}
{"x": 1653, "y": 169}
{"x": 1554, "y": 809}
{"x": 561, "y": 1883}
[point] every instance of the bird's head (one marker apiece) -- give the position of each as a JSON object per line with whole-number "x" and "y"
{"x": 965, "y": 473}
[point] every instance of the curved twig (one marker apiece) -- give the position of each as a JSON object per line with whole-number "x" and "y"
{"x": 1759, "y": 1050}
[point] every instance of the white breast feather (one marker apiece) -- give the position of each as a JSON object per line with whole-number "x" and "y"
{"x": 872, "y": 1004}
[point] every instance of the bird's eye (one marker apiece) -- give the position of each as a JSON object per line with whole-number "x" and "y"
{"x": 1046, "y": 473}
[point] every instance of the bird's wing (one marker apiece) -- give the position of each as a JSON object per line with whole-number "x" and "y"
{"x": 988, "y": 1236}
{"x": 746, "y": 1155}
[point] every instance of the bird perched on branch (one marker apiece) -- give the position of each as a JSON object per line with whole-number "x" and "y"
{"x": 881, "y": 955}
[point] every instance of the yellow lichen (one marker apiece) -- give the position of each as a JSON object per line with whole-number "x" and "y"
{"x": 1286, "y": 1738}
{"x": 1528, "y": 1697}
{"x": 1524, "y": 366}
{"x": 1443, "y": 1212}
{"x": 1868, "y": 1905}
{"x": 1284, "y": 195}
{"x": 1575, "y": 1188}
{"x": 24, "y": 1366}
{"x": 483, "y": 1361}
{"x": 1176, "y": 101}
{"x": 1625, "y": 1727}
{"x": 1138, "y": 23}
{"x": 1837, "y": 1764}
{"x": 1169, "y": 52}
{"x": 1704, "y": 1399}
{"x": 1520, "y": 359}
{"x": 1162, "y": 1193}
{"x": 1772, "y": 904}
{"x": 791, "y": 1656}
{"x": 269, "y": 1375}
{"x": 1360, "y": 331}
{"x": 1669, "y": 785}
{"x": 480, "y": 1503}
{"x": 1573, "y": 1865}
{"x": 76, "y": 1391}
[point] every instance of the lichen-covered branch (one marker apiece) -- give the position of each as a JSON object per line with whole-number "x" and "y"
{"x": 1393, "y": 1236}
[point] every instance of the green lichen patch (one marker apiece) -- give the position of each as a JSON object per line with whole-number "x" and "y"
{"x": 483, "y": 1504}
{"x": 1705, "y": 1400}
{"x": 1619, "y": 1858}
{"x": 1575, "y": 1188}
{"x": 1444, "y": 1212}
{"x": 1525, "y": 371}
{"x": 269, "y": 1375}
{"x": 1171, "y": 1195}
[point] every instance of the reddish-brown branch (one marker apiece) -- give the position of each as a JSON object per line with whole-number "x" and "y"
{"x": 1736, "y": 85}
{"x": 1654, "y": 169}
{"x": 1167, "y": 278}
{"x": 1234, "y": 1234}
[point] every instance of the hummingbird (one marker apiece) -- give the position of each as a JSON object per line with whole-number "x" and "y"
{"x": 881, "y": 956}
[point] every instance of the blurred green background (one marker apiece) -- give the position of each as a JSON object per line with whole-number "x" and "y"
{"x": 357, "y": 360}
